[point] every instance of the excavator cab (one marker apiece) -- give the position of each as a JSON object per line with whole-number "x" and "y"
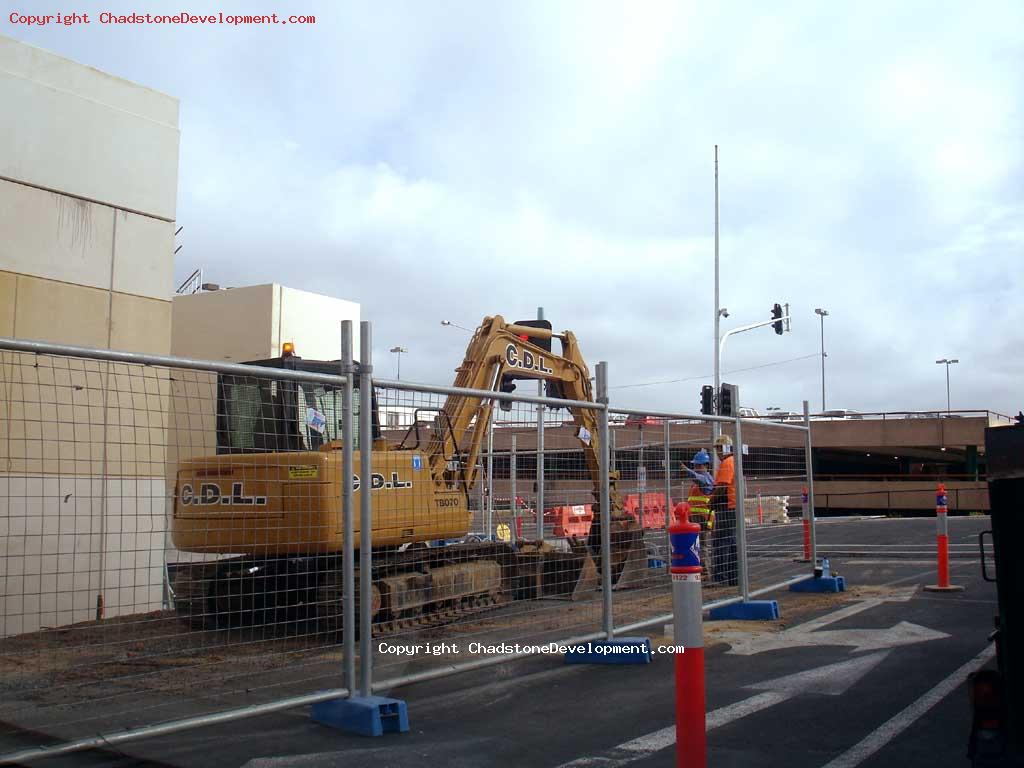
{"x": 260, "y": 415}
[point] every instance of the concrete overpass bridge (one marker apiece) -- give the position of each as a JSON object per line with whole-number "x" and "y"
{"x": 881, "y": 463}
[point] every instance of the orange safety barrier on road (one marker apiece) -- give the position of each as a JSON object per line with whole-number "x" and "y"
{"x": 653, "y": 512}
{"x": 568, "y": 521}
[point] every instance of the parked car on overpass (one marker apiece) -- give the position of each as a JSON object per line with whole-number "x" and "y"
{"x": 785, "y": 416}
{"x": 841, "y": 413}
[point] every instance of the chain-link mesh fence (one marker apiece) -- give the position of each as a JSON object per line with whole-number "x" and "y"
{"x": 168, "y": 540}
{"x": 494, "y": 582}
{"x": 776, "y": 475}
{"x": 660, "y": 482}
{"x": 174, "y": 542}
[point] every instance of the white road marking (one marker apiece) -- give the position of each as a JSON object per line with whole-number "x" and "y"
{"x": 903, "y": 633}
{"x": 893, "y": 727}
{"x": 830, "y": 680}
{"x": 929, "y": 572}
{"x": 725, "y": 715}
{"x": 809, "y": 633}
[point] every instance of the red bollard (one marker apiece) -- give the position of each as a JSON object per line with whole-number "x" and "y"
{"x": 942, "y": 543}
{"x": 688, "y": 632}
{"x": 807, "y": 527}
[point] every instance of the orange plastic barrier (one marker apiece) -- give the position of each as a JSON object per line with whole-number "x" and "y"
{"x": 654, "y": 509}
{"x": 569, "y": 521}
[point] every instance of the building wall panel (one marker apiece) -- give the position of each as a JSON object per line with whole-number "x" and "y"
{"x": 313, "y": 322}
{"x": 139, "y": 324}
{"x": 60, "y": 312}
{"x": 61, "y": 74}
{"x": 80, "y": 146}
{"x": 8, "y": 285}
{"x": 143, "y": 263}
{"x": 54, "y": 236}
{"x": 234, "y": 325}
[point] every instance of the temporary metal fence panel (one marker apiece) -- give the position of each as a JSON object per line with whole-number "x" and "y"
{"x": 746, "y": 552}
{"x": 486, "y": 587}
{"x": 179, "y": 537}
{"x": 171, "y": 538}
{"x": 778, "y": 498}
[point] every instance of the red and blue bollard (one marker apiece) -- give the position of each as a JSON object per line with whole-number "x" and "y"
{"x": 942, "y": 542}
{"x": 807, "y": 525}
{"x": 691, "y": 739}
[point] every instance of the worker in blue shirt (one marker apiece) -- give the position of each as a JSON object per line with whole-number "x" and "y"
{"x": 701, "y": 475}
{"x": 699, "y": 502}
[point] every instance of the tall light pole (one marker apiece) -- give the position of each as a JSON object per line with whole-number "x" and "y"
{"x": 455, "y": 325}
{"x": 947, "y": 363}
{"x": 715, "y": 427}
{"x": 822, "y": 313}
{"x": 399, "y": 351}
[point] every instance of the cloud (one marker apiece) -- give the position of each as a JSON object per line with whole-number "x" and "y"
{"x": 448, "y": 161}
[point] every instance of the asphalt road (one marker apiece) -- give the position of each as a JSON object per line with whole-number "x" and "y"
{"x": 890, "y": 693}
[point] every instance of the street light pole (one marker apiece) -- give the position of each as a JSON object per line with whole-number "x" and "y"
{"x": 399, "y": 351}
{"x": 947, "y": 363}
{"x": 822, "y": 313}
{"x": 715, "y": 427}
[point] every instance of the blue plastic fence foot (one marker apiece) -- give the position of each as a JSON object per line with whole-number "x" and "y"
{"x": 621, "y": 650}
{"x": 820, "y": 584}
{"x": 751, "y": 610}
{"x": 363, "y": 715}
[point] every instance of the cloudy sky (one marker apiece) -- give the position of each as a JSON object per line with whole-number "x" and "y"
{"x": 450, "y": 160}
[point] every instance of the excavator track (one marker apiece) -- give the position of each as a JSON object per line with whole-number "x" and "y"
{"x": 420, "y": 587}
{"x": 426, "y": 587}
{"x": 435, "y": 614}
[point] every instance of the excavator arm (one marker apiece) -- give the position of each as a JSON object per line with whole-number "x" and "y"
{"x": 499, "y": 350}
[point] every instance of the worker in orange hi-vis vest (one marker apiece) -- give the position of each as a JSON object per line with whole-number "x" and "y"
{"x": 723, "y": 502}
{"x": 699, "y": 501}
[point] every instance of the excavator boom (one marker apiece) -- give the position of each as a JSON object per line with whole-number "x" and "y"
{"x": 500, "y": 353}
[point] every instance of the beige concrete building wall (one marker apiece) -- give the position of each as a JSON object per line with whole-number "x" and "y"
{"x": 312, "y": 322}
{"x": 88, "y": 185}
{"x": 251, "y": 323}
{"x": 233, "y": 325}
{"x": 87, "y": 134}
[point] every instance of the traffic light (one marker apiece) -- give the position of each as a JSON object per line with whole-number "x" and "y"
{"x": 707, "y": 400}
{"x": 543, "y": 343}
{"x": 508, "y": 385}
{"x": 777, "y": 314}
{"x": 729, "y": 400}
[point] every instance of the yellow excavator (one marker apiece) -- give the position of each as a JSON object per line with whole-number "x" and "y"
{"x": 271, "y": 499}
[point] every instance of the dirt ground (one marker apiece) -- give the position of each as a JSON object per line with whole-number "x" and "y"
{"x": 156, "y": 653}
